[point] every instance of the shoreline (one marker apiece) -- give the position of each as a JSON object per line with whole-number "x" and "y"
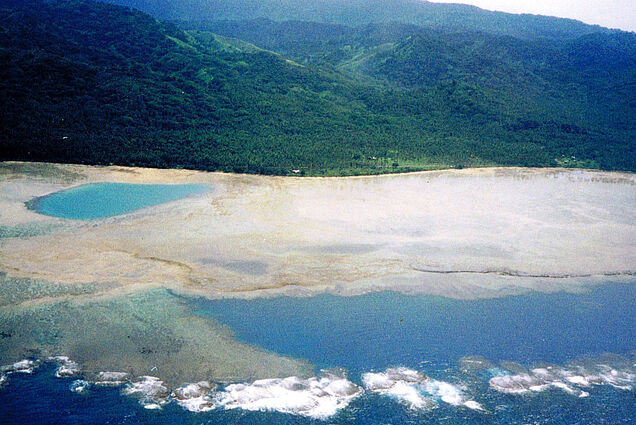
{"x": 124, "y": 171}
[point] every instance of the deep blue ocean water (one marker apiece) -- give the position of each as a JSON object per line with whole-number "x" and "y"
{"x": 100, "y": 200}
{"x": 376, "y": 331}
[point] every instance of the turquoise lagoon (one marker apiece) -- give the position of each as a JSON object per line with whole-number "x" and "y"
{"x": 101, "y": 200}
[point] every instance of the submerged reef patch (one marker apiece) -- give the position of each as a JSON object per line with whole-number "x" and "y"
{"x": 18, "y": 290}
{"x": 150, "y": 333}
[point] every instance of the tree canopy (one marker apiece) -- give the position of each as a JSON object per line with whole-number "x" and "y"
{"x": 94, "y": 83}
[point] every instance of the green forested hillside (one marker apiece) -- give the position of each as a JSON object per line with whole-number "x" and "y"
{"x": 94, "y": 83}
{"x": 437, "y": 16}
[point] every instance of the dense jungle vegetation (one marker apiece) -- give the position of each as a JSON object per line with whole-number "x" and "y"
{"x": 89, "y": 82}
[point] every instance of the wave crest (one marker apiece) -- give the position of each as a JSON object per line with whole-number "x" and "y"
{"x": 415, "y": 389}
{"x": 66, "y": 367}
{"x": 195, "y": 397}
{"x": 315, "y": 397}
{"x": 570, "y": 378}
{"x": 151, "y": 391}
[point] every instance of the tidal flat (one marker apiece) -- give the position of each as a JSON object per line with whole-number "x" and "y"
{"x": 461, "y": 233}
{"x": 115, "y": 293}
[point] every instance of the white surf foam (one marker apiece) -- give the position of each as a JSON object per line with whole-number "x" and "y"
{"x": 415, "y": 389}
{"x": 316, "y": 397}
{"x": 472, "y": 404}
{"x": 195, "y": 397}
{"x": 569, "y": 379}
{"x": 150, "y": 390}
{"x": 66, "y": 367}
{"x": 623, "y": 380}
{"x": 111, "y": 378}
{"x": 23, "y": 366}
{"x": 152, "y": 406}
{"x": 79, "y": 385}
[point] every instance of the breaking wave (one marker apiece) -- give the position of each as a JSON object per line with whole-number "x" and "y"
{"x": 23, "y": 366}
{"x": 79, "y": 386}
{"x": 571, "y": 378}
{"x": 321, "y": 397}
{"x": 111, "y": 378}
{"x": 195, "y": 397}
{"x": 314, "y": 397}
{"x": 416, "y": 390}
{"x": 151, "y": 391}
{"x": 66, "y": 367}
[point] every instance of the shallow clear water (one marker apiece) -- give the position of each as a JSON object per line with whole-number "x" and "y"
{"x": 375, "y": 331}
{"x": 100, "y": 200}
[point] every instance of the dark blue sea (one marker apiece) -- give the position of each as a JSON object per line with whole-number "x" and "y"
{"x": 382, "y": 332}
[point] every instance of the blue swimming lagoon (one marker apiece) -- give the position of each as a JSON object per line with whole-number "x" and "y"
{"x": 100, "y": 200}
